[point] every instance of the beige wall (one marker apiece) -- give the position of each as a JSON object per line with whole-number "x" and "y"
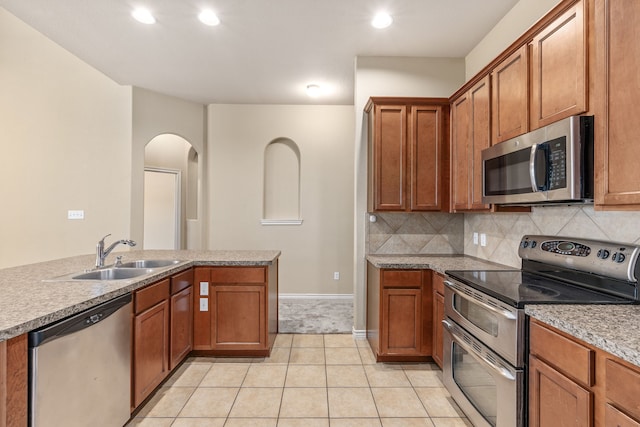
{"x": 311, "y": 252}
{"x": 389, "y": 76}
{"x": 65, "y": 132}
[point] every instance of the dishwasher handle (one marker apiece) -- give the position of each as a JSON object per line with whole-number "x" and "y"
{"x": 77, "y": 322}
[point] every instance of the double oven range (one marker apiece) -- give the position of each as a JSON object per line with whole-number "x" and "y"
{"x": 485, "y": 326}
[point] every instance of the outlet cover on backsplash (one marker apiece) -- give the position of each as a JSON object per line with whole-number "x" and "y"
{"x": 415, "y": 233}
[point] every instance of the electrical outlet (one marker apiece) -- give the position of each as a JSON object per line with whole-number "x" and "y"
{"x": 475, "y": 238}
{"x": 336, "y": 275}
{"x": 483, "y": 239}
{"x": 204, "y": 304}
{"x": 75, "y": 214}
{"x": 204, "y": 288}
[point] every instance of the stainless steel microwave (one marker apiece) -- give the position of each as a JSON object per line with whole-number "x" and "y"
{"x": 550, "y": 165}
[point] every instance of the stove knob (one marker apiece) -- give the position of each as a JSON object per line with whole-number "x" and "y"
{"x": 525, "y": 244}
{"x": 614, "y": 258}
{"x": 534, "y": 244}
{"x": 621, "y": 258}
{"x": 603, "y": 253}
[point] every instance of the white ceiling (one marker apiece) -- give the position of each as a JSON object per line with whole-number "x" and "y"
{"x": 264, "y": 51}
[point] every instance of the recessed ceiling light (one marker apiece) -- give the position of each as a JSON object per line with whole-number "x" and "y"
{"x": 143, "y": 16}
{"x": 313, "y": 90}
{"x": 382, "y": 20}
{"x": 207, "y": 17}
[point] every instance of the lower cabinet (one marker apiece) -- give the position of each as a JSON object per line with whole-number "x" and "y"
{"x": 399, "y": 314}
{"x": 438, "y": 317}
{"x": 572, "y": 383}
{"x": 14, "y": 382}
{"x": 181, "y": 318}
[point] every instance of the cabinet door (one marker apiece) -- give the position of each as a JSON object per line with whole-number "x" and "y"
{"x": 238, "y": 317}
{"x": 401, "y": 329}
{"x": 14, "y": 381}
{"x": 390, "y": 157}
{"x": 461, "y": 147}
{"x": 559, "y": 69}
{"x": 480, "y": 122}
{"x": 555, "y": 400}
{"x": 151, "y": 350}
{"x": 510, "y": 101}
{"x": 617, "y": 177}
{"x": 181, "y": 330}
{"x": 425, "y": 156}
{"x": 613, "y": 417}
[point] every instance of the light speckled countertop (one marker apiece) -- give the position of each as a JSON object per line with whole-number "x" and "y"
{"x": 439, "y": 263}
{"x": 609, "y": 327}
{"x": 27, "y": 302}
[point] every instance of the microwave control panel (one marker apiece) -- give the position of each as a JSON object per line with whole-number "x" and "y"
{"x": 557, "y": 161}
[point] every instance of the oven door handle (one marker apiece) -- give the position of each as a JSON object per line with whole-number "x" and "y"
{"x": 479, "y": 357}
{"x": 503, "y": 313}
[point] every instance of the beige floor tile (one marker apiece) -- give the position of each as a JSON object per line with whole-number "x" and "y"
{"x": 351, "y": 402}
{"x": 384, "y": 375}
{"x": 265, "y": 376}
{"x": 307, "y": 356}
{"x": 306, "y": 376}
{"x": 367, "y": 356}
{"x": 278, "y": 355}
{"x": 355, "y": 422}
{"x": 283, "y": 340}
{"x": 257, "y": 403}
{"x": 420, "y": 367}
{"x": 423, "y": 378}
{"x": 303, "y": 422}
{"x": 362, "y": 342}
{"x": 166, "y": 402}
{"x": 198, "y": 422}
{"x": 150, "y": 422}
{"x": 304, "y": 403}
{"x": 188, "y": 375}
{"x": 308, "y": 340}
{"x": 251, "y": 422}
{"x": 406, "y": 422}
{"x": 346, "y": 376}
{"x": 339, "y": 340}
{"x": 438, "y": 402}
{"x": 225, "y": 375}
{"x": 398, "y": 402}
{"x": 451, "y": 422}
{"x": 342, "y": 356}
{"x": 209, "y": 402}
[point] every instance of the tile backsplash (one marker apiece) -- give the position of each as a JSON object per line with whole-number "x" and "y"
{"x": 441, "y": 233}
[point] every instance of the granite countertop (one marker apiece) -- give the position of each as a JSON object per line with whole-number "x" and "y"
{"x": 28, "y": 302}
{"x": 608, "y": 327}
{"x": 437, "y": 262}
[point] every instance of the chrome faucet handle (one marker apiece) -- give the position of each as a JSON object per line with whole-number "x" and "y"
{"x": 102, "y": 240}
{"x": 118, "y": 262}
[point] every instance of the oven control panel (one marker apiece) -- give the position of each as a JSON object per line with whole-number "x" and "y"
{"x": 617, "y": 260}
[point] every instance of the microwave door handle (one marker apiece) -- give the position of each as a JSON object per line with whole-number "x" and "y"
{"x": 459, "y": 341}
{"x": 532, "y": 168}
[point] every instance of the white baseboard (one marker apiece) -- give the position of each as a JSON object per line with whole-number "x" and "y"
{"x": 316, "y": 296}
{"x": 359, "y": 334}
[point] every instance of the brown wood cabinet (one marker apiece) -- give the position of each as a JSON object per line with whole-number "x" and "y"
{"x": 399, "y": 314}
{"x": 438, "y": 317}
{"x": 559, "y": 68}
{"x": 617, "y": 178}
{"x": 470, "y": 134}
{"x": 408, "y": 154}
{"x": 181, "y": 317}
{"x": 510, "y": 96}
{"x": 14, "y": 382}
{"x": 240, "y": 311}
{"x": 574, "y": 383}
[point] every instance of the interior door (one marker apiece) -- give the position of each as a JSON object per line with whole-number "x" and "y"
{"x": 161, "y": 209}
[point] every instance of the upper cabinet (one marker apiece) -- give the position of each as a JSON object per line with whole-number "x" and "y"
{"x": 408, "y": 155}
{"x": 510, "y": 103}
{"x": 617, "y": 81}
{"x": 559, "y": 68}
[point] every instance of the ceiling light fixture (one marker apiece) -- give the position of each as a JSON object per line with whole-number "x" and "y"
{"x": 143, "y": 16}
{"x": 208, "y": 17}
{"x": 313, "y": 90}
{"x": 382, "y": 20}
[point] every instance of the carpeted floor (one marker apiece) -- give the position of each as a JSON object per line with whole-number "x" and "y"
{"x": 315, "y": 316}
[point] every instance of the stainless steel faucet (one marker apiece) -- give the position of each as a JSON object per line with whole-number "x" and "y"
{"x": 102, "y": 253}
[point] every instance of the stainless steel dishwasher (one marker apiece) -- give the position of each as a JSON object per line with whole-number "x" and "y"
{"x": 80, "y": 368}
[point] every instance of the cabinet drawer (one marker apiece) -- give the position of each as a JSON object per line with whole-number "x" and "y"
{"x": 402, "y": 278}
{"x": 566, "y": 355}
{"x": 151, "y": 295}
{"x": 623, "y": 387}
{"x": 613, "y": 417}
{"x": 238, "y": 275}
{"x": 438, "y": 283}
{"x": 181, "y": 281}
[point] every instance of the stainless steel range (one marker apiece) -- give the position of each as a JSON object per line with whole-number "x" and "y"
{"x": 485, "y": 339}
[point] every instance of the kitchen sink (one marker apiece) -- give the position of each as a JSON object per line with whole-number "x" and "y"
{"x": 112, "y": 274}
{"x": 149, "y": 263}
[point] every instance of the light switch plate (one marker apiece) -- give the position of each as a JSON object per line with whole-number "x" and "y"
{"x": 204, "y": 288}
{"x": 483, "y": 239}
{"x": 475, "y": 238}
{"x": 75, "y": 214}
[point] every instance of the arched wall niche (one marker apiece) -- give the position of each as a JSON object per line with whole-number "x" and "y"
{"x": 281, "y": 191}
